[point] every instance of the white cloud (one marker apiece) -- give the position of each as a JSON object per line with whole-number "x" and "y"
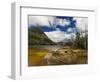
{"x": 40, "y": 20}
{"x": 82, "y": 23}
{"x": 63, "y": 22}
{"x": 58, "y": 36}
{"x": 70, "y": 30}
{"x": 44, "y": 20}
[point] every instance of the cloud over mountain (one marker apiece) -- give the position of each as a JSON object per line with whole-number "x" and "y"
{"x": 59, "y": 28}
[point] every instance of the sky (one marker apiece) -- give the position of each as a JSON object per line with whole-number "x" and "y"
{"x": 59, "y": 28}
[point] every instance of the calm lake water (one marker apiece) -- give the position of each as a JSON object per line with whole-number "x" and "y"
{"x": 49, "y": 47}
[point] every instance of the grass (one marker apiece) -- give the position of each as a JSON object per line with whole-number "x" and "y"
{"x": 35, "y": 55}
{"x": 66, "y": 54}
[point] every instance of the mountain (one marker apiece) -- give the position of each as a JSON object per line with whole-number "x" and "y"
{"x": 36, "y": 36}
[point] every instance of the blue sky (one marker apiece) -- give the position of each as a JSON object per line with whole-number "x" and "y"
{"x": 62, "y": 23}
{"x": 58, "y": 28}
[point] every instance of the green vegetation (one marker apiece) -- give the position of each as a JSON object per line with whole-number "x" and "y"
{"x": 80, "y": 41}
{"x": 37, "y": 37}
